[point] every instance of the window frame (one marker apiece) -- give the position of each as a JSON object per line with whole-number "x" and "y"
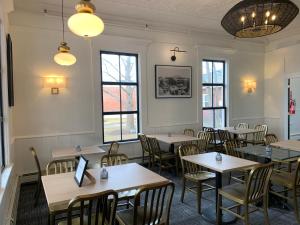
{"x": 119, "y": 84}
{"x": 212, "y": 85}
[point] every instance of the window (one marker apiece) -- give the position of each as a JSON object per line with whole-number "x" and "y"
{"x": 2, "y": 150}
{"x": 120, "y": 98}
{"x": 213, "y": 93}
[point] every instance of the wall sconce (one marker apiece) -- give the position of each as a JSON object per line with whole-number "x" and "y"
{"x": 250, "y": 86}
{"x": 54, "y": 82}
{"x": 176, "y": 49}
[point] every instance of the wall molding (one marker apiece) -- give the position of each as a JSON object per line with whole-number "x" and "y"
{"x": 53, "y": 135}
{"x": 173, "y": 125}
{"x": 247, "y": 118}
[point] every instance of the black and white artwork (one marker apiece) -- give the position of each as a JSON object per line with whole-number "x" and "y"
{"x": 173, "y": 81}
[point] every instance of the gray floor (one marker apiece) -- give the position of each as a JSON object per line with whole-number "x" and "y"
{"x": 181, "y": 213}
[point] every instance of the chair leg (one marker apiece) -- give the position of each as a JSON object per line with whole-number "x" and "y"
{"x": 266, "y": 200}
{"x": 183, "y": 189}
{"x": 143, "y": 156}
{"x": 199, "y": 196}
{"x": 37, "y": 193}
{"x": 296, "y": 206}
{"x": 229, "y": 178}
{"x": 246, "y": 215}
{"x": 160, "y": 167}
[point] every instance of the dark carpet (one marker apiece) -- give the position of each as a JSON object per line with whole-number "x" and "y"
{"x": 181, "y": 213}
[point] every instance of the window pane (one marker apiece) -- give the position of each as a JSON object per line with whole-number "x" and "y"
{"x": 112, "y": 128}
{"x": 128, "y": 68}
{"x": 111, "y": 98}
{"x": 219, "y": 118}
{"x": 129, "y": 97}
{"x": 208, "y": 118}
{"x": 110, "y": 68}
{"x": 206, "y": 96}
{"x": 218, "y": 68}
{"x": 206, "y": 72}
{"x": 218, "y": 96}
{"x": 129, "y": 126}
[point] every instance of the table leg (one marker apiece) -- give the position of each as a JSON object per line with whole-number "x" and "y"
{"x": 51, "y": 218}
{"x": 210, "y": 214}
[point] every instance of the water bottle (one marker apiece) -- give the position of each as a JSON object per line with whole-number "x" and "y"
{"x": 104, "y": 174}
{"x": 219, "y": 156}
{"x": 78, "y": 148}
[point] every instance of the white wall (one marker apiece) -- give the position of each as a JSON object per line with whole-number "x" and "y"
{"x": 74, "y": 116}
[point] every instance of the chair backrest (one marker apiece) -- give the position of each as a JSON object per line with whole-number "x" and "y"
{"x": 242, "y": 126}
{"x": 259, "y": 136}
{"x": 230, "y": 148}
{"x": 270, "y": 138}
{"x": 154, "y": 146}
{"x": 297, "y": 174}
{"x": 189, "y": 132}
{"x": 113, "y": 148}
{"x": 211, "y": 133}
{"x": 152, "y": 204}
{"x": 61, "y": 166}
{"x": 95, "y": 209}
{"x": 224, "y": 135}
{"x": 258, "y": 182}
{"x": 114, "y": 159}
{"x": 144, "y": 142}
{"x": 36, "y": 159}
{"x": 185, "y": 150}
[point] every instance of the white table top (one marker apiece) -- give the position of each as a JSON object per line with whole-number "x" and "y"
{"x": 239, "y": 130}
{"x": 71, "y": 152}
{"x": 173, "y": 139}
{"x": 228, "y": 163}
{"x": 61, "y": 188}
{"x": 288, "y": 144}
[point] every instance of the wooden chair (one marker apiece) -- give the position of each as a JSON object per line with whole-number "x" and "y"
{"x": 119, "y": 159}
{"x": 61, "y": 166}
{"x": 113, "y": 148}
{"x": 154, "y": 209}
{"x": 145, "y": 149}
{"x": 95, "y": 209}
{"x": 39, "y": 181}
{"x": 243, "y": 137}
{"x": 193, "y": 173}
{"x": 291, "y": 183}
{"x": 230, "y": 148}
{"x": 189, "y": 132}
{"x": 258, "y": 138}
{"x": 162, "y": 158}
{"x": 246, "y": 195}
{"x": 224, "y": 136}
{"x": 204, "y": 136}
{"x": 270, "y": 138}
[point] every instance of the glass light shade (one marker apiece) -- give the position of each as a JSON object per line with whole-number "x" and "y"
{"x": 86, "y": 24}
{"x": 64, "y": 58}
{"x": 54, "y": 81}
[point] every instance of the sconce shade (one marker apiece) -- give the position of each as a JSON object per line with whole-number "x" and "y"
{"x": 250, "y": 86}
{"x": 85, "y": 23}
{"x": 63, "y": 57}
{"x": 54, "y": 82}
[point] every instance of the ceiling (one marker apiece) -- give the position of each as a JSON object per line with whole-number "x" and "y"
{"x": 189, "y": 15}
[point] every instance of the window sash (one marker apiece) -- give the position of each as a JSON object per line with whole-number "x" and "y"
{"x": 120, "y": 83}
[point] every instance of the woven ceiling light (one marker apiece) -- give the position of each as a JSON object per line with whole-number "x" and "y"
{"x": 257, "y": 18}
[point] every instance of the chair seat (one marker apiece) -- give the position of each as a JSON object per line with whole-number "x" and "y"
{"x": 166, "y": 155}
{"x": 76, "y": 221}
{"x": 253, "y": 142}
{"x": 283, "y": 178}
{"x": 127, "y": 194}
{"x": 199, "y": 176}
{"x": 235, "y": 192}
{"x": 126, "y": 216}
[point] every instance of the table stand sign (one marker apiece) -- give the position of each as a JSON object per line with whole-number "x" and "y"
{"x": 81, "y": 172}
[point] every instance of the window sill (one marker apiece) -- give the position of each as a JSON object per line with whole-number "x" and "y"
{"x": 122, "y": 143}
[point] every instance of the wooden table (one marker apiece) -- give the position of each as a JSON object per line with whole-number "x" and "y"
{"x": 61, "y": 188}
{"x": 288, "y": 144}
{"x": 239, "y": 131}
{"x": 71, "y": 152}
{"x": 173, "y": 138}
{"x": 228, "y": 164}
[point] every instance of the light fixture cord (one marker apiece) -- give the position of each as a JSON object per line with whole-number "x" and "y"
{"x": 62, "y": 18}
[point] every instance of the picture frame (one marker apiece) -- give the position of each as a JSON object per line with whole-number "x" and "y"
{"x": 10, "y": 74}
{"x": 80, "y": 170}
{"x": 173, "y": 81}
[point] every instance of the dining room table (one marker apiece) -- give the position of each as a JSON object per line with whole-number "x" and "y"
{"x": 227, "y": 164}
{"x": 60, "y": 189}
{"x": 287, "y": 144}
{"x": 236, "y": 131}
{"x": 73, "y": 152}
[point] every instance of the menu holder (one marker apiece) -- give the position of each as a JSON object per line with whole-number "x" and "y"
{"x": 81, "y": 170}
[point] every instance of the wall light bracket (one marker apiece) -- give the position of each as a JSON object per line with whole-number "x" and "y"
{"x": 176, "y": 49}
{"x": 54, "y": 82}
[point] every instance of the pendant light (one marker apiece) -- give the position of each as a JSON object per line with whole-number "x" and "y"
{"x": 64, "y": 57}
{"x": 85, "y": 23}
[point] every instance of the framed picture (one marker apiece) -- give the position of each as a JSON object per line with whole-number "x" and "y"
{"x": 173, "y": 81}
{"x": 10, "y": 74}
